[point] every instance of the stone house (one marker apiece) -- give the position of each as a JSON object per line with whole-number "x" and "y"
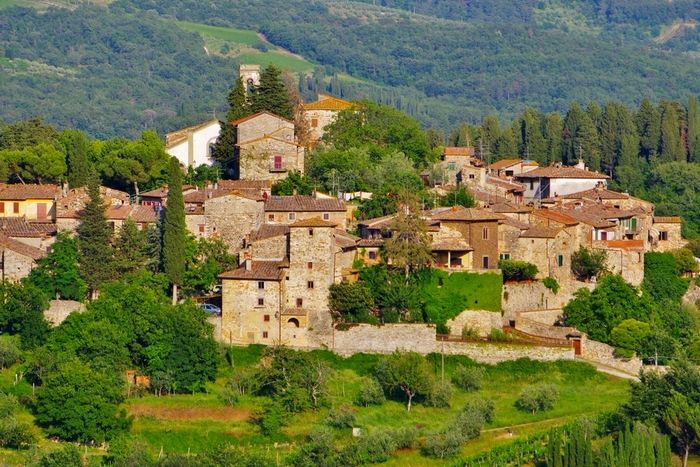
{"x": 510, "y": 167}
{"x": 558, "y": 180}
{"x": 509, "y": 231}
{"x": 322, "y": 113}
{"x": 37, "y": 234}
{"x": 548, "y": 248}
{"x": 143, "y": 216}
{"x": 231, "y": 217}
{"x": 29, "y": 201}
{"x": 665, "y": 234}
{"x": 508, "y": 189}
{"x": 454, "y": 160}
{"x": 266, "y": 147}
{"x": 159, "y": 196}
{"x": 17, "y": 259}
{"x": 273, "y": 300}
{"x": 479, "y": 229}
{"x": 290, "y": 209}
{"x": 514, "y": 211}
{"x": 194, "y": 146}
{"x": 72, "y": 201}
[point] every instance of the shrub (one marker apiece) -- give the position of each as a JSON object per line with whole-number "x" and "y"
{"x": 405, "y": 438}
{"x": 586, "y": 263}
{"x": 375, "y": 448}
{"x": 470, "y": 333}
{"x": 468, "y": 378}
{"x": 372, "y": 393}
{"x": 538, "y": 398}
{"x": 443, "y": 444}
{"x": 551, "y": 283}
{"x": 441, "y": 395}
{"x": 498, "y": 335}
{"x": 628, "y": 337}
{"x": 342, "y": 417}
{"x": 229, "y": 394}
{"x": 517, "y": 270}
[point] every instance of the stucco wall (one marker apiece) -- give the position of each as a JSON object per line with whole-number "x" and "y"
{"x": 194, "y": 151}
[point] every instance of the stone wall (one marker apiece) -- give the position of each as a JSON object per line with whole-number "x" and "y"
{"x": 60, "y": 309}
{"x": 692, "y": 295}
{"x": 16, "y": 266}
{"x": 548, "y": 317}
{"x": 479, "y": 320}
{"x": 535, "y": 296}
{"x": 539, "y": 329}
{"x": 494, "y": 353}
{"x": 605, "y": 355}
{"x": 230, "y": 218}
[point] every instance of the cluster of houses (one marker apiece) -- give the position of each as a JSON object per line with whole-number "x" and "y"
{"x": 293, "y": 248}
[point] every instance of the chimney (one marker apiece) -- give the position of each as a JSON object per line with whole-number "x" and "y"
{"x": 294, "y": 191}
{"x": 581, "y": 165}
{"x": 65, "y": 188}
{"x": 248, "y": 262}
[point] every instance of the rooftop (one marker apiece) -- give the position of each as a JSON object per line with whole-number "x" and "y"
{"x": 21, "y": 248}
{"x": 259, "y": 270}
{"x": 459, "y": 213}
{"x": 313, "y": 222}
{"x": 557, "y": 170}
{"x": 325, "y": 102}
{"x": 20, "y": 192}
{"x": 269, "y": 231}
{"x": 540, "y": 232}
{"x": 179, "y": 136}
{"x": 303, "y": 203}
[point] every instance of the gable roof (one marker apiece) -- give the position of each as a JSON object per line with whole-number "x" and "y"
{"x": 510, "y": 208}
{"x": 596, "y": 194}
{"x": 540, "y": 232}
{"x": 259, "y": 270}
{"x": 178, "y": 136}
{"x": 505, "y": 163}
{"x": 269, "y": 231}
{"x": 21, "y": 192}
{"x": 313, "y": 222}
{"x": 244, "y": 184}
{"x": 19, "y": 227}
{"x": 557, "y": 170}
{"x": 264, "y": 137}
{"x": 378, "y": 222}
{"x": 256, "y": 115}
{"x": 509, "y": 221}
{"x": 505, "y": 184}
{"x": 303, "y": 203}
{"x": 344, "y": 239}
{"x": 459, "y": 213}
{"x": 325, "y": 102}
{"x": 21, "y": 248}
{"x": 458, "y": 151}
{"x": 553, "y": 216}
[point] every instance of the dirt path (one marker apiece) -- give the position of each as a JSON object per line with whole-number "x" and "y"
{"x": 281, "y": 50}
{"x": 674, "y": 31}
{"x": 191, "y": 413}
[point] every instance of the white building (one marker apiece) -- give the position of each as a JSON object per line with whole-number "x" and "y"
{"x": 558, "y": 180}
{"x": 194, "y": 146}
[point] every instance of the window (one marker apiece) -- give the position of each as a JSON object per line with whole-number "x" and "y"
{"x": 314, "y": 122}
{"x": 532, "y": 184}
{"x": 472, "y": 176}
{"x": 212, "y": 150}
{"x": 300, "y": 302}
{"x": 372, "y": 255}
{"x": 266, "y": 318}
{"x": 201, "y": 228}
{"x": 311, "y": 231}
{"x": 271, "y": 217}
{"x": 15, "y": 208}
{"x": 2, "y": 207}
{"x": 310, "y": 265}
{"x": 261, "y": 285}
{"x": 509, "y": 173}
{"x": 560, "y": 260}
{"x": 326, "y": 216}
{"x": 292, "y": 216}
{"x": 640, "y": 257}
{"x": 310, "y": 284}
{"x": 663, "y": 235}
{"x": 485, "y": 233}
{"x": 485, "y": 262}
{"x": 451, "y": 166}
{"x": 261, "y": 302}
{"x": 264, "y": 334}
{"x": 504, "y": 256}
{"x": 278, "y": 163}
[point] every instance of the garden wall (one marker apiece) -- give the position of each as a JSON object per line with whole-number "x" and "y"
{"x": 60, "y": 309}
{"x": 479, "y": 320}
{"x": 535, "y": 296}
{"x": 605, "y": 355}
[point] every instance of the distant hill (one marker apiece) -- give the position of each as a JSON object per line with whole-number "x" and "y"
{"x": 118, "y": 70}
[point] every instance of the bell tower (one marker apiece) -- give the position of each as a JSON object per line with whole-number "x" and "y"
{"x": 250, "y": 75}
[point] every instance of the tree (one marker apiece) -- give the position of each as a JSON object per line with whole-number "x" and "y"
{"x": 94, "y": 240}
{"x": 670, "y": 149}
{"x": 130, "y": 249}
{"x": 76, "y": 145}
{"x": 458, "y": 196}
{"x": 271, "y": 94}
{"x": 204, "y": 261}
{"x": 408, "y": 248}
{"x": 553, "y": 129}
{"x": 294, "y": 180}
{"x": 517, "y": 270}
{"x": 538, "y": 398}
{"x": 302, "y": 126}
{"x": 628, "y": 336}
{"x": 693, "y": 129}
{"x": 371, "y": 393}
{"x": 586, "y": 264}
{"x": 648, "y": 124}
{"x": 685, "y": 262}
{"x": 174, "y": 231}
{"x": 406, "y": 373}
{"x": 238, "y": 107}
{"x": 58, "y": 273}
{"x": 22, "y": 312}
{"x": 79, "y": 404}
{"x": 352, "y": 301}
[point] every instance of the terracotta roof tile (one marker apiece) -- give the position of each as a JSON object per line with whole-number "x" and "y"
{"x": 587, "y": 218}
{"x": 510, "y": 208}
{"x": 260, "y": 270}
{"x": 667, "y": 220}
{"x": 313, "y": 222}
{"x": 515, "y": 223}
{"x": 502, "y": 164}
{"x": 451, "y": 245}
{"x": 18, "y": 227}
{"x": 18, "y": 191}
{"x": 269, "y": 231}
{"x": 468, "y": 215}
{"x": 596, "y": 194}
{"x": 344, "y": 239}
{"x": 557, "y": 217}
{"x": 21, "y": 248}
{"x": 485, "y": 197}
{"x": 559, "y": 171}
{"x": 370, "y": 242}
{"x": 244, "y": 184}
{"x": 458, "y": 151}
{"x": 147, "y": 214}
{"x": 505, "y": 184}
{"x": 303, "y": 203}
{"x": 378, "y": 222}
{"x": 328, "y": 103}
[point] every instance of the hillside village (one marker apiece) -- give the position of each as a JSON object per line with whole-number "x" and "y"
{"x": 292, "y": 249}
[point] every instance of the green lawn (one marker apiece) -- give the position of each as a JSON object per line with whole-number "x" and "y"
{"x": 233, "y": 35}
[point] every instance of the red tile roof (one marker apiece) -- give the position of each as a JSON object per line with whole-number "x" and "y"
{"x": 328, "y": 103}
{"x": 510, "y": 208}
{"x": 344, "y": 239}
{"x": 313, "y": 222}
{"x": 468, "y": 215}
{"x": 458, "y": 151}
{"x": 667, "y": 220}
{"x": 21, "y": 248}
{"x": 269, "y": 231}
{"x": 260, "y": 270}
{"x": 515, "y": 223}
{"x": 555, "y": 217}
{"x": 303, "y": 203}
{"x": 18, "y": 227}
{"x": 18, "y": 192}
{"x": 558, "y": 171}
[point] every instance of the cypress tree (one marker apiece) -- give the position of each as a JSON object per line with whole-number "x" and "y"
{"x": 238, "y": 107}
{"x": 553, "y": 129}
{"x": 76, "y": 155}
{"x": 271, "y": 94}
{"x": 130, "y": 253}
{"x": 693, "y": 129}
{"x": 175, "y": 230}
{"x": 649, "y": 128}
{"x": 671, "y": 149}
{"x": 94, "y": 239}
{"x": 506, "y": 145}
{"x": 572, "y": 122}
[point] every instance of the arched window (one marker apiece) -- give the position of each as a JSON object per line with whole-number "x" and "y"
{"x": 292, "y": 323}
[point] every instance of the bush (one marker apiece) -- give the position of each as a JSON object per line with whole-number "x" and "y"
{"x": 441, "y": 395}
{"x": 551, "y": 283}
{"x": 628, "y": 336}
{"x": 538, "y": 398}
{"x": 229, "y": 394}
{"x": 586, "y": 264}
{"x": 468, "y": 378}
{"x": 517, "y": 270}
{"x": 405, "y": 438}
{"x": 470, "y": 333}
{"x": 342, "y": 417}
{"x": 443, "y": 444}
{"x": 498, "y": 335}
{"x": 372, "y": 393}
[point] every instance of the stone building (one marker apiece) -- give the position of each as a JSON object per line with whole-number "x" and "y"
{"x": 290, "y": 209}
{"x": 231, "y": 217}
{"x": 266, "y": 148}
{"x": 17, "y": 259}
{"x": 558, "y": 180}
{"x": 548, "y": 248}
{"x": 280, "y": 292}
{"x": 37, "y": 234}
{"x": 322, "y": 113}
{"x": 665, "y": 234}
{"x": 72, "y": 202}
{"x": 511, "y": 167}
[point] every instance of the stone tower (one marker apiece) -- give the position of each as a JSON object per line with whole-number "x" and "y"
{"x": 250, "y": 75}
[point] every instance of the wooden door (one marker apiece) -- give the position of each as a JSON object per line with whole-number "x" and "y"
{"x": 41, "y": 211}
{"x": 577, "y": 346}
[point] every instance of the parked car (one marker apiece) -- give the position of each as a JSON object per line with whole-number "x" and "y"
{"x": 216, "y": 290}
{"x": 209, "y": 308}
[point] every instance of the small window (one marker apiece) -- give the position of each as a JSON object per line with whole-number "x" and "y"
{"x": 509, "y": 173}
{"x": 314, "y": 122}
{"x": 278, "y": 163}
{"x": 111, "y": 225}
{"x": 485, "y": 233}
{"x": 15, "y": 208}
{"x": 264, "y": 334}
{"x": 663, "y": 235}
{"x": 261, "y": 302}
{"x": 311, "y": 231}
{"x": 640, "y": 257}
{"x": 560, "y": 260}
{"x": 270, "y": 217}
{"x": 326, "y": 216}
{"x": 2, "y": 207}
{"x": 261, "y": 285}
{"x": 300, "y": 302}
{"x": 310, "y": 265}
{"x": 266, "y": 318}
{"x": 292, "y": 216}
{"x": 201, "y": 228}
{"x": 310, "y": 284}
{"x": 452, "y": 166}
{"x": 504, "y": 256}
{"x": 472, "y": 176}
{"x": 372, "y": 255}
{"x": 532, "y": 184}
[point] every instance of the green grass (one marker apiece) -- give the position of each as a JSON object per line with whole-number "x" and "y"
{"x": 233, "y": 35}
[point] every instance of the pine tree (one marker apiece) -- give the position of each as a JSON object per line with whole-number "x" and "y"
{"x": 130, "y": 252}
{"x": 572, "y": 122}
{"x": 271, "y": 94}
{"x": 588, "y": 143}
{"x": 175, "y": 230}
{"x": 94, "y": 240}
{"x": 506, "y": 145}
{"x": 490, "y": 131}
{"x": 553, "y": 130}
{"x": 671, "y": 149}
{"x": 533, "y": 146}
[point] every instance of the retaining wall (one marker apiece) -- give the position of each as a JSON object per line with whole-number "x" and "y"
{"x": 479, "y": 320}
{"x": 60, "y": 309}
